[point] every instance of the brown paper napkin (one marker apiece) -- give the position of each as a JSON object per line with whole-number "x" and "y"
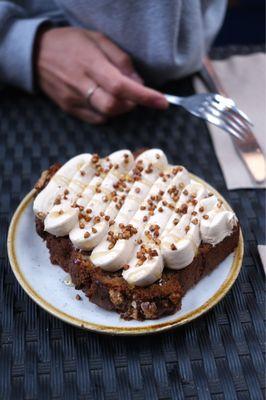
{"x": 244, "y": 79}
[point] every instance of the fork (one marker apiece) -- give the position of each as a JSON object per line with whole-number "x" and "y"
{"x": 216, "y": 109}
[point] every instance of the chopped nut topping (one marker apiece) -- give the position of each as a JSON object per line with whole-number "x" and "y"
{"x": 219, "y": 204}
{"x": 137, "y": 190}
{"x": 187, "y": 228}
{"x": 57, "y": 200}
{"x": 173, "y": 247}
{"x": 94, "y": 230}
{"x": 195, "y": 221}
{"x": 86, "y": 235}
{"x": 205, "y": 216}
{"x": 183, "y": 208}
{"x": 95, "y": 158}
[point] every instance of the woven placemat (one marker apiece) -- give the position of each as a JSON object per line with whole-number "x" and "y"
{"x": 218, "y": 356}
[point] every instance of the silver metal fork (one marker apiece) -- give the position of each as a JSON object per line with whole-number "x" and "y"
{"x": 216, "y": 109}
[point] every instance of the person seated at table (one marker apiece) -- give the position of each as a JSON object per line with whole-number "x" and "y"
{"x": 93, "y": 57}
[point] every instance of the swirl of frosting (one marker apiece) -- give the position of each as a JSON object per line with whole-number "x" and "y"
{"x": 108, "y": 257}
{"x": 140, "y": 215}
{"x": 44, "y": 201}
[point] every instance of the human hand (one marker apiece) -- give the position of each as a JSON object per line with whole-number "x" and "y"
{"x": 71, "y": 62}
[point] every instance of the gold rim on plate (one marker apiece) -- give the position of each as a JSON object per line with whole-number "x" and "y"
{"x": 115, "y": 330}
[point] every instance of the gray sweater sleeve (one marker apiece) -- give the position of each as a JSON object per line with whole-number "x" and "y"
{"x": 17, "y": 34}
{"x": 167, "y": 39}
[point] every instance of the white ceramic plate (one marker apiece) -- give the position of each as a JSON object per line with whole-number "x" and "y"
{"x": 44, "y": 282}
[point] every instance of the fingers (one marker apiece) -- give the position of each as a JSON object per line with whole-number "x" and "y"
{"x": 88, "y": 115}
{"x": 71, "y": 102}
{"x": 109, "y": 105}
{"x": 124, "y": 87}
{"x": 102, "y": 101}
{"x": 90, "y": 62}
{"x": 117, "y": 56}
{"x": 114, "y": 82}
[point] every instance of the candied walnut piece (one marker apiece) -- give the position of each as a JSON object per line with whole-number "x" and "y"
{"x": 149, "y": 309}
{"x": 116, "y": 297}
{"x": 95, "y": 158}
{"x": 175, "y": 298}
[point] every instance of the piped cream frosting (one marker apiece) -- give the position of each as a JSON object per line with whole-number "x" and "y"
{"x": 137, "y": 215}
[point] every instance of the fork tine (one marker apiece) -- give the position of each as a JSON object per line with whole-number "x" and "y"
{"x": 243, "y": 115}
{"x": 225, "y": 115}
{"x": 239, "y": 134}
{"x": 220, "y": 114}
{"x": 217, "y": 121}
{"x": 230, "y": 105}
{"x": 233, "y": 116}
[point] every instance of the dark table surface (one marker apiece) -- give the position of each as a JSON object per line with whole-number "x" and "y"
{"x": 218, "y": 356}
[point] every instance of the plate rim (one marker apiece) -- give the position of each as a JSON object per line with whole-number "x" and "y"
{"x": 115, "y": 330}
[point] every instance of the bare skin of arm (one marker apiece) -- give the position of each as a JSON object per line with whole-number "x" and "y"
{"x": 71, "y": 60}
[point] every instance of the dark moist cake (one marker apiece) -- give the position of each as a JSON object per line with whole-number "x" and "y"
{"x": 112, "y": 292}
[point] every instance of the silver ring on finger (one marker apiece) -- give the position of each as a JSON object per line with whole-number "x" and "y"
{"x": 90, "y": 92}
